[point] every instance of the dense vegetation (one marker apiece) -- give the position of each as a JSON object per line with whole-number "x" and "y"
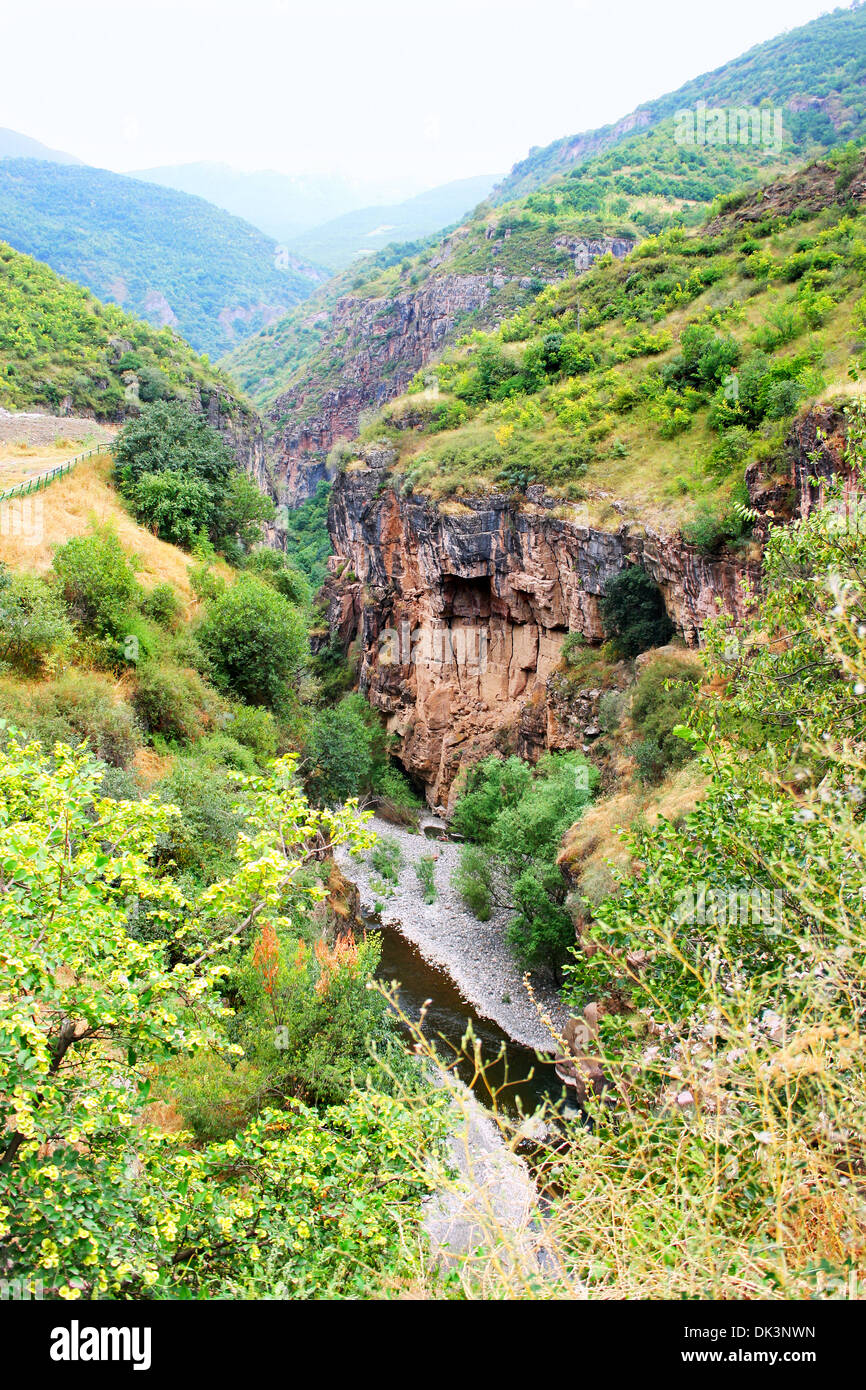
{"x": 59, "y": 345}
{"x": 658, "y": 378}
{"x": 622, "y": 181}
{"x": 820, "y": 60}
{"x": 143, "y": 247}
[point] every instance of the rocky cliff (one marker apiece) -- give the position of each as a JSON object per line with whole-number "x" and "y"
{"x": 374, "y": 346}
{"x": 462, "y": 608}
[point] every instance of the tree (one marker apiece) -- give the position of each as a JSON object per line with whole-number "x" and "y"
{"x": 633, "y": 612}
{"x": 339, "y": 753}
{"x": 93, "y": 1200}
{"x": 243, "y": 510}
{"x": 181, "y": 478}
{"x": 256, "y": 641}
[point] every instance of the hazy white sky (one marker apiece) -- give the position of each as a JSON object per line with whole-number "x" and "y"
{"x": 374, "y": 89}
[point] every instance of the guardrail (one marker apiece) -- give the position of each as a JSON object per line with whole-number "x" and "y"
{"x": 41, "y": 480}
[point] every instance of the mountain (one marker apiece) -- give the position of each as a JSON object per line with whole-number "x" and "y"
{"x": 62, "y": 351}
{"x": 282, "y": 205}
{"x": 16, "y": 146}
{"x": 360, "y": 340}
{"x": 816, "y": 72}
{"x": 171, "y": 258}
{"x": 366, "y": 230}
{"x": 665, "y": 410}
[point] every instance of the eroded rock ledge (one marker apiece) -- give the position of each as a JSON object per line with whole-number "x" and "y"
{"x": 461, "y": 609}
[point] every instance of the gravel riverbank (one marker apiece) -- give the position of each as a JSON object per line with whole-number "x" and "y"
{"x": 475, "y": 954}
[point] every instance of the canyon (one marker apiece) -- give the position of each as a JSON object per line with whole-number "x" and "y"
{"x": 459, "y": 610}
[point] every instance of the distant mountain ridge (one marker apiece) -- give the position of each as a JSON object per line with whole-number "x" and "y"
{"x": 338, "y": 242}
{"x": 171, "y": 258}
{"x": 282, "y": 205}
{"x": 14, "y": 145}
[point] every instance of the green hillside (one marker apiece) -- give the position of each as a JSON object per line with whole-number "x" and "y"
{"x": 58, "y": 343}
{"x": 654, "y": 381}
{"x": 168, "y": 257}
{"x": 646, "y": 182}
{"x": 816, "y": 72}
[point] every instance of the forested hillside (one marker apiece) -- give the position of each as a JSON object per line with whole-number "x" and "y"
{"x": 170, "y": 258}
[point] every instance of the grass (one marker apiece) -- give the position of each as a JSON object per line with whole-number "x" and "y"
{"x": 70, "y": 507}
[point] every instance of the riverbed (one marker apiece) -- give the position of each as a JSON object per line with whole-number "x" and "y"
{"x": 439, "y": 951}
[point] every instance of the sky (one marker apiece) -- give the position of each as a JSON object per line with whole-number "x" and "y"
{"x": 383, "y": 92}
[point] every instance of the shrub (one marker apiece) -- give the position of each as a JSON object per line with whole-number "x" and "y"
{"x": 256, "y": 641}
{"x": 97, "y": 583}
{"x": 175, "y": 507}
{"x": 77, "y": 708}
{"x": 34, "y": 628}
{"x": 338, "y": 753}
{"x": 254, "y": 727}
{"x": 276, "y": 569}
{"x": 489, "y": 787}
{"x": 425, "y": 869}
{"x": 662, "y": 697}
{"x": 174, "y": 702}
{"x": 610, "y": 710}
{"x": 162, "y": 604}
{"x": 473, "y": 880}
{"x": 386, "y": 858}
{"x": 201, "y": 840}
{"x": 633, "y": 612}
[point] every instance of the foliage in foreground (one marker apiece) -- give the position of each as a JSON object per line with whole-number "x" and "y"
{"x": 108, "y": 974}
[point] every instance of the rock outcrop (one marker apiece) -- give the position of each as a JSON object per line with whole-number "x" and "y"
{"x": 462, "y": 608}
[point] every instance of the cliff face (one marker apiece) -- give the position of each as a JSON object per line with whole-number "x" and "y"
{"x": 242, "y": 430}
{"x": 462, "y": 608}
{"x": 373, "y": 348}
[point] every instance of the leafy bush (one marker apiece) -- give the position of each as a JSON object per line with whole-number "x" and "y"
{"x": 78, "y": 707}
{"x": 256, "y": 641}
{"x": 34, "y": 629}
{"x": 386, "y": 858}
{"x": 520, "y": 816}
{"x": 162, "y": 604}
{"x": 633, "y": 612}
{"x": 473, "y": 880}
{"x": 276, "y": 569}
{"x": 339, "y": 757}
{"x": 174, "y": 702}
{"x": 425, "y": 869}
{"x": 662, "y": 697}
{"x": 255, "y": 728}
{"x": 97, "y": 583}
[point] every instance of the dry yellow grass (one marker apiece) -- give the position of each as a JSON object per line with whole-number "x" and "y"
{"x": 31, "y": 528}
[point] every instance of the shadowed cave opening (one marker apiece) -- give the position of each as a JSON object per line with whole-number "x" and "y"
{"x": 467, "y": 598}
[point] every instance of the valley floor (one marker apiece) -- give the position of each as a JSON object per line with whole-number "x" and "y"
{"x": 475, "y": 954}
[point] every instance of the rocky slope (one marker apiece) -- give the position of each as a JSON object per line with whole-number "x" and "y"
{"x": 461, "y": 608}
{"x": 374, "y": 346}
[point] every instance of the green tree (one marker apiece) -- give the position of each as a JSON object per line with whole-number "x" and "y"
{"x": 97, "y": 582}
{"x": 633, "y": 612}
{"x": 256, "y": 641}
{"x": 34, "y": 628}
